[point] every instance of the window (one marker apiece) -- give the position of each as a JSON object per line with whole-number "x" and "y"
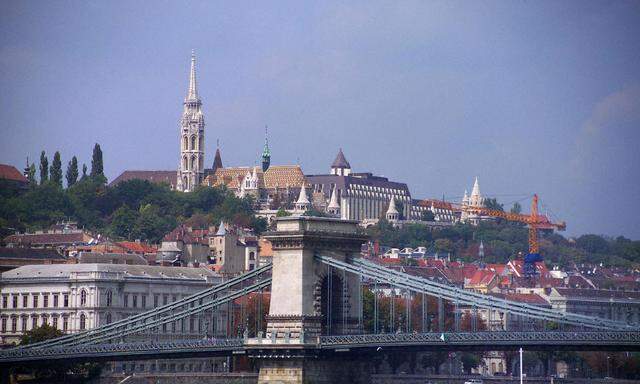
{"x": 34, "y": 322}
{"x": 45, "y": 320}
{"x": 14, "y": 324}
{"x": 5, "y": 301}
{"x": 45, "y": 301}
{"x": 173, "y": 299}
{"x": 108, "y": 318}
{"x": 35, "y": 300}
{"x": 3, "y": 327}
{"x": 252, "y": 256}
{"x": 125, "y": 300}
{"x": 14, "y": 301}
{"x": 66, "y": 300}
{"x": 54, "y": 322}
{"x": 144, "y": 301}
{"x": 83, "y": 298}
{"x": 25, "y": 301}
{"x": 83, "y": 322}
{"x": 165, "y": 299}
{"x": 23, "y": 324}
{"x": 156, "y": 299}
{"x": 193, "y": 145}
{"x": 109, "y": 298}
{"x": 135, "y": 301}
{"x": 65, "y": 323}
{"x": 55, "y": 300}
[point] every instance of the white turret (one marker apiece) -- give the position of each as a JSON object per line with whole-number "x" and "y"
{"x": 392, "y": 211}
{"x": 334, "y": 205}
{"x": 476, "y": 199}
{"x": 303, "y": 201}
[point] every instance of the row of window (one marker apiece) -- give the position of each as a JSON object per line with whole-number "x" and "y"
{"x": 185, "y": 143}
{"x": 58, "y": 322}
{"x": 171, "y": 367}
{"x": 48, "y": 300}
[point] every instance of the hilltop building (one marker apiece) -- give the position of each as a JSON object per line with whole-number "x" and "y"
{"x": 358, "y": 196}
{"x": 476, "y": 200}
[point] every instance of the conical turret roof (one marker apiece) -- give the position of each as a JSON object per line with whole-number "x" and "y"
{"x": 333, "y": 203}
{"x": 302, "y": 197}
{"x": 340, "y": 161}
{"x": 476, "y": 188}
{"x": 392, "y": 206}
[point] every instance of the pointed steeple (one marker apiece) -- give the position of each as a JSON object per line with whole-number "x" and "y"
{"x": 266, "y": 152}
{"x": 217, "y": 160}
{"x": 334, "y": 205}
{"x": 192, "y": 94}
{"x": 340, "y": 165}
{"x": 476, "y": 188}
{"x": 392, "y": 211}
{"x": 221, "y": 229}
{"x": 465, "y": 198}
{"x": 303, "y": 201}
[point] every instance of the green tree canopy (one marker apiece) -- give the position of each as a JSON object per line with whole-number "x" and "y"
{"x": 56, "y": 170}
{"x": 72, "y": 172}
{"x": 44, "y": 168}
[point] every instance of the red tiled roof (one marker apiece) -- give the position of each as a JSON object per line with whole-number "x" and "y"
{"x": 137, "y": 247}
{"x": 436, "y": 204}
{"x": 482, "y": 277}
{"x": 9, "y": 172}
{"x": 47, "y": 238}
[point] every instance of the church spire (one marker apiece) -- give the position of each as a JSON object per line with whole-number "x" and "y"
{"x": 192, "y": 94}
{"x": 266, "y": 152}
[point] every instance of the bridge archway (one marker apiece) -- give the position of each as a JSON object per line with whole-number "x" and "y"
{"x": 332, "y": 304}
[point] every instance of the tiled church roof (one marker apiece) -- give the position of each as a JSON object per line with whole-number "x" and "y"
{"x": 277, "y": 175}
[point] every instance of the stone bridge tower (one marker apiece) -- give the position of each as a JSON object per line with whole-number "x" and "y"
{"x": 303, "y": 295}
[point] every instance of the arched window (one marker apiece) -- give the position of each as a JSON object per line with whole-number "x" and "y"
{"x": 185, "y": 163}
{"x": 83, "y": 298}
{"x": 109, "y": 298}
{"x": 193, "y": 142}
{"x": 83, "y": 322}
{"x": 252, "y": 256}
{"x": 501, "y": 367}
{"x": 108, "y": 318}
{"x": 193, "y": 163}
{"x": 185, "y": 143}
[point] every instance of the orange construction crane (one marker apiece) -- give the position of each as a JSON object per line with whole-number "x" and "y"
{"x": 533, "y": 220}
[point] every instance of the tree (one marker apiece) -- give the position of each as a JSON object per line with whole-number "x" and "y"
{"x": 123, "y": 222}
{"x": 444, "y": 245}
{"x": 72, "y": 172}
{"x": 282, "y": 213}
{"x": 31, "y": 176}
{"x": 492, "y": 203}
{"x": 97, "y": 168}
{"x": 84, "y": 172}
{"x": 517, "y": 208}
{"x": 44, "y": 168}
{"x": 593, "y": 243}
{"x": 56, "y": 170}
{"x": 54, "y": 371}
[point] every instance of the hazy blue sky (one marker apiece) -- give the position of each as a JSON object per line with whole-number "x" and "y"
{"x": 531, "y": 96}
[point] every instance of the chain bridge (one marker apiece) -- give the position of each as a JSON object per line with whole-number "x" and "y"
{"x": 317, "y": 284}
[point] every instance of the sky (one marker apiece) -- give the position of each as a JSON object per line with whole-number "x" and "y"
{"x": 529, "y": 96}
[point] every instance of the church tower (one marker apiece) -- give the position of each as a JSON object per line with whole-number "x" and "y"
{"x": 191, "y": 167}
{"x": 266, "y": 153}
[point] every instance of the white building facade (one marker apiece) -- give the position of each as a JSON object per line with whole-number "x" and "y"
{"x": 77, "y": 297}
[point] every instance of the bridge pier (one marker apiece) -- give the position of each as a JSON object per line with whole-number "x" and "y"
{"x": 309, "y": 298}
